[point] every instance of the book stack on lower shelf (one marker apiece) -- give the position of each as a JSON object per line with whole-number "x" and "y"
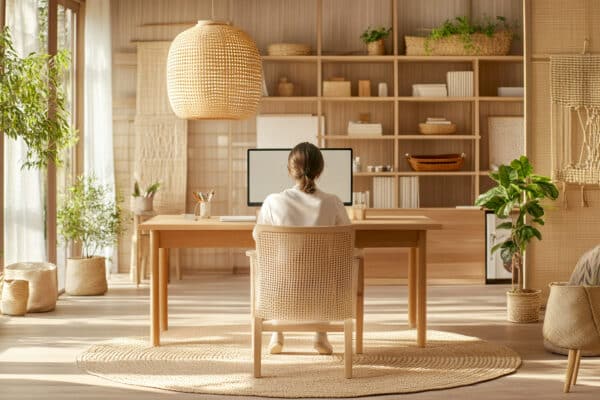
{"x": 359, "y": 128}
{"x": 409, "y": 192}
{"x": 383, "y": 192}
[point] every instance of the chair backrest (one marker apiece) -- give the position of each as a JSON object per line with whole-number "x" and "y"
{"x": 304, "y": 273}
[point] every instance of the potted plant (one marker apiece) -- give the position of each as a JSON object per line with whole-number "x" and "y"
{"x": 27, "y": 86}
{"x": 461, "y": 37}
{"x": 517, "y": 197}
{"x": 90, "y": 216}
{"x": 374, "y": 40}
{"x": 143, "y": 202}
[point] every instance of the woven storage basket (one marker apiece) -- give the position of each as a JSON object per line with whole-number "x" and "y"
{"x": 43, "y": 290}
{"x": 214, "y": 71}
{"x": 482, "y": 45}
{"x": 86, "y": 276}
{"x": 440, "y": 162}
{"x": 15, "y": 293}
{"x": 523, "y": 306}
{"x": 288, "y": 49}
{"x": 437, "y": 129}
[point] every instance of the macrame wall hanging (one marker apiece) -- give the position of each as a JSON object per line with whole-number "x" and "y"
{"x": 575, "y": 86}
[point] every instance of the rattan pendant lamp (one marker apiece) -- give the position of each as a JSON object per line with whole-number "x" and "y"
{"x": 214, "y": 71}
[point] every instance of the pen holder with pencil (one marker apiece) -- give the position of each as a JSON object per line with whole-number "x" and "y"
{"x": 203, "y": 200}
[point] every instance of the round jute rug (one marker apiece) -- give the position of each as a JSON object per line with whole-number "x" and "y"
{"x": 207, "y": 360}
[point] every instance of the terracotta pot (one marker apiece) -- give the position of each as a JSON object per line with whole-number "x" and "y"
{"x": 86, "y": 276}
{"x": 523, "y": 306}
{"x": 376, "y": 48}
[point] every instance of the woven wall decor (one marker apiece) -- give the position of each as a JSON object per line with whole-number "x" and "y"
{"x": 575, "y": 86}
{"x": 214, "y": 71}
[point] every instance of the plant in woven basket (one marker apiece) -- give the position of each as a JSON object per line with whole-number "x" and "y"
{"x": 464, "y": 28}
{"x": 518, "y": 188}
{"x": 28, "y": 85}
{"x": 90, "y": 216}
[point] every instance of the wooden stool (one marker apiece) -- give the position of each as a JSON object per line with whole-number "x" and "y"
{"x": 140, "y": 250}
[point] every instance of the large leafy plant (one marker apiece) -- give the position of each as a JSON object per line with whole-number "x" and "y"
{"x": 518, "y": 189}
{"x": 90, "y": 215}
{"x": 28, "y": 86}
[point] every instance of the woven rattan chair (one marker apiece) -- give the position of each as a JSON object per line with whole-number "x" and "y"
{"x": 572, "y": 322}
{"x": 301, "y": 275}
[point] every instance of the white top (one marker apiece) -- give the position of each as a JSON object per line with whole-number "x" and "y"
{"x": 293, "y": 207}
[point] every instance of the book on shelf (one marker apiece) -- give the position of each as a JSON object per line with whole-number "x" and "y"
{"x": 437, "y": 121}
{"x": 364, "y": 128}
{"x": 460, "y": 83}
{"x": 383, "y": 192}
{"x": 408, "y": 192}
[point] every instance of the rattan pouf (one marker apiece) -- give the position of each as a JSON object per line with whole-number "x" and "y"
{"x": 43, "y": 290}
{"x": 86, "y": 276}
{"x": 14, "y": 297}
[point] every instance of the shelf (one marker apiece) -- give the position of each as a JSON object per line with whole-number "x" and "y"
{"x": 374, "y": 99}
{"x": 356, "y": 137}
{"x": 374, "y": 174}
{"x": 510, "y": 58}
{"x": 359, "y": 58}
{"x": 501, "y": 99}
{"x": 390, "y": 58}
{"x": 290, "y": 58}
{"x": 437, "y": 173}
{"x": 438, "y": 137}
{"x": 274, "y": 99}
{"x": 440, "y": 99}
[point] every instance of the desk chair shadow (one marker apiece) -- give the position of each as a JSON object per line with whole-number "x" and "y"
{"x": 301, "y": 275}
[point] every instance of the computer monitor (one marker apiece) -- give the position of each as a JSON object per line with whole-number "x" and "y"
{"x": 267, "y": 173}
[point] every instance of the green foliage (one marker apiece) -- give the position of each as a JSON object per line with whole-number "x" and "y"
{"x": 464, "y": 28}
{"x": 375, "y": 34}
{"x": 518, "y": 188}
{"x": 27, "y": 86}
{"x": 90, "y": 216}
{"x": 150, "y": 190}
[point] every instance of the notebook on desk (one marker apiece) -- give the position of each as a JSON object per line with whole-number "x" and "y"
{"x": 237, "y": 218}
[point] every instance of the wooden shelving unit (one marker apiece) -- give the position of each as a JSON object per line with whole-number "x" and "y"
{"x": 337, "y": 52}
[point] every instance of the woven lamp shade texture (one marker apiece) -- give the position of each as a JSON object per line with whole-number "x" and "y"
{"x": 214, "y": 71}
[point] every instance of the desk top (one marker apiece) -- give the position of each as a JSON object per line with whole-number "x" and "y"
{"x": 181, "y": 222}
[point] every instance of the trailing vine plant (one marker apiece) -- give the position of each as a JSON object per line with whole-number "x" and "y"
{"x": 28, "y": 85}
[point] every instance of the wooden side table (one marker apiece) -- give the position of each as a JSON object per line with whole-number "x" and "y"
{"x": 140, "y": 250}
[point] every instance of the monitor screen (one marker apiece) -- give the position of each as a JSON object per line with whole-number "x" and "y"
{"x": 267, "y": 173}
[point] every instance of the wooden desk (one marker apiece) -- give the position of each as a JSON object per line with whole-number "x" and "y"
{"x": 177, "y": 231}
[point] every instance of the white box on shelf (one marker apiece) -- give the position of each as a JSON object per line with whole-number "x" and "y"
{"x": 511, "y": 91}
{"x": 429, "y": 90}
{"x": 460, "y": 83}
{"x": 364, "y": 129}
{"x": 506, "y": 139}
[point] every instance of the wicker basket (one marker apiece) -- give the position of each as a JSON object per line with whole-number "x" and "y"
{"x": 15, "y": 294}
{"x": 482, "y": 45}
{"x": 42, "y": 283}
{"x": 288, "y": 49}
{"x": 440, "y": 162}
{"x": 86, "y": 276}
{"x": 523, "y": 307}
{"x": 437, "y": 129}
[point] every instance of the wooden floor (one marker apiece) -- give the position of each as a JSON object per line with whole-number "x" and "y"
{"x": 37, "y": 352}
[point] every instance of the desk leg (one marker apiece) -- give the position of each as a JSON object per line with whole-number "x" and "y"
{"x": 360, "y": 305}
{"x": 164, "y": 288}
{"x": 412, "y": 287}
{"x": 422, "y": 290}
{"x": 154, "y": 295}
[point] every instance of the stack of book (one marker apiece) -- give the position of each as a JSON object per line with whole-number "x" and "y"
{"x": 460, "y": 83}
{"x": 437, "y": 121}
{"x": 429, "y": 90}
{"x": 383, "y": 192}
{"x": 409, "y": 192}
{"x": 359, "y": 128}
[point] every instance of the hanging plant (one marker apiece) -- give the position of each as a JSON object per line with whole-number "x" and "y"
{"x": 28, "y": 85}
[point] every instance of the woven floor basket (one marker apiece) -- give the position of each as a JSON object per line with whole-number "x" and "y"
{"x": 481, "y": 45}
{"x": 288, "y": 49}
{"x": 440, "y": 162}
{"x": 42, "y": 279}
{"x": 14, "y": 296}
{"x": 86, "y": 276}
{"x": 214, "y": 71}
{"x": 523, "y": 307}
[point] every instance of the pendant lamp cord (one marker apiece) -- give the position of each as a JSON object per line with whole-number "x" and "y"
{"x": 212, "y": 10}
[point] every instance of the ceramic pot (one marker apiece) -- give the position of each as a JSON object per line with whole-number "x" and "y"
{"x": 285, "y": 88}
{"x": 141, "y": 204}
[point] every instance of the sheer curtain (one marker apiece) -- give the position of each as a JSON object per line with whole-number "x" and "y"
{"x": 24, "y": 225}
{"x": 98, "y": 133}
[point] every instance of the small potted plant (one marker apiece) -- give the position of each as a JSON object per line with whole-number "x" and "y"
{"x": 143, "y": 202}
{"x": 91, "y": 217}
{"x": 374, "y": 40}
{"x": 517, "y": 197}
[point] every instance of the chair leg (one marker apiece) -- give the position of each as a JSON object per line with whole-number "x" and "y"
{"x": 348, "y": 348}
{"x": 570, "y": 368}
{"x": 178, "y": 263}
{"x": 257, "y": 345}
{"x": 576, "y": 368}
{"x": 360, "y": 306}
